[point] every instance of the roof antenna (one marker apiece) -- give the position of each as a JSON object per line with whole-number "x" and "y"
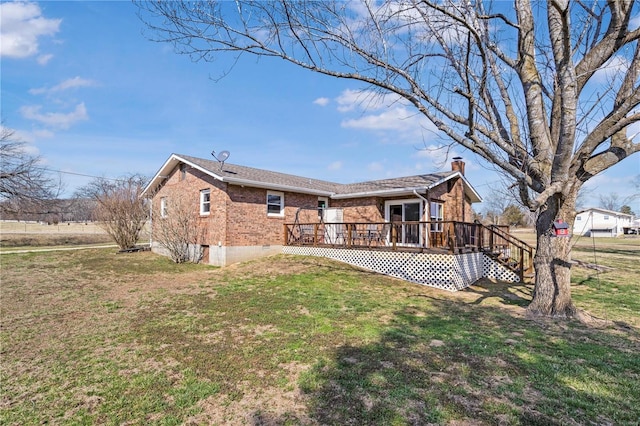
{"x": 222, "y": 157}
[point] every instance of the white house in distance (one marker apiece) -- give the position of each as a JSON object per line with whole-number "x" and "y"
{"x": 597, "y": 222}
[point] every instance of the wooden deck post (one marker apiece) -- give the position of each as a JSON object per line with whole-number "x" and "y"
{"x": 285, "y": 234}
{"x": 394, "y": 236}
{"x": 521, "y": 264}
{"x": 315, "y": 234}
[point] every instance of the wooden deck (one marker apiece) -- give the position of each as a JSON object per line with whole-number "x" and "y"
{"x": 416, "y": 237}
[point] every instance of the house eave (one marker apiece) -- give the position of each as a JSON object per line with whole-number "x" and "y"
{"x": 378, "y": 193}
{"x": 174, "y": 160}
{"x": 610, "y": 212}
{"x": 157, "y": 179}
{"x": 468, "y": 189}
{"x": 272, "y": 186}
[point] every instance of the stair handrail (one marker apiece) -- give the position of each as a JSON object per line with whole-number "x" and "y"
{"x": 522, "y": 246}
{"x": 507, "y": 235}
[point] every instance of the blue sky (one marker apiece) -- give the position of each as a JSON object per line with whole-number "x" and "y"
{"x": 93, "y": 96}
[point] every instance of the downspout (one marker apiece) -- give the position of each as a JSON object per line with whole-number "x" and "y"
{"x": 426, "y": 202}
{"x": 150, "y": 223}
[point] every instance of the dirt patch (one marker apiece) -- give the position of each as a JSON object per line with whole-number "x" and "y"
{"x": 268, "y": 406}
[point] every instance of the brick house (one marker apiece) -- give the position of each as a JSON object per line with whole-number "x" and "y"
{"x": 242, "y": 211}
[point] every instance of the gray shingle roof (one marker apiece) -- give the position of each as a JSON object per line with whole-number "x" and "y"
{"x": 234, "y": 171}
{"x": 417, "y": 181}
{"x": 243, "y": 175}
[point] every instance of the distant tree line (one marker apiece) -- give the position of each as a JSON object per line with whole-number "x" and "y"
{"x": 53, "y": 211}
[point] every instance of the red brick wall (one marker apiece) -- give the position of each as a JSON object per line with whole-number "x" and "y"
{"x": 360, "y": 209}
{"x": 372, "y": 209}
{"x": 456, "y": 205}
{"x": 239, "y": 217}
{"x": 188, "y": 190}
{"x": 248, "y": 223}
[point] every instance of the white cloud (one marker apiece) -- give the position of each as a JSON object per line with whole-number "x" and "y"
{"x": 55, "y": 119}
{"x": 44, "y": 59}
{"x": 350, "y": 100}
{"x": 65, "y": 85}
{"x": 21, "y": 136}
{"x": 376, "y": 166}
{"x": 633, "y": 132}
{"x": 614, "y": 67}
{"x": 438, "y": 157}
{"x": 21, "y": 24}
{"x": 43, "y": 134}
{"x": 399, "y": 119}
{"x": 321, "y": 101}
{"x": 390, "y": 115}
{"x": 436, "y": 152}
{"x": 336, "y": 165}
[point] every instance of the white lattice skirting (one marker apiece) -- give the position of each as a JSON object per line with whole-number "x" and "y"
{"x": 446, "y": 271}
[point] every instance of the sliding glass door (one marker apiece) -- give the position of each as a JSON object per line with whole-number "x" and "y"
{"x": 398, "y": 212}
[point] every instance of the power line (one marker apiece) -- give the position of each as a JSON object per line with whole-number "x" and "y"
{"x": 80, "y": 174}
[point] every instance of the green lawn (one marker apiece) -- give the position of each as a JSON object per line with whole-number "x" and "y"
{"x": 93, "y": 337}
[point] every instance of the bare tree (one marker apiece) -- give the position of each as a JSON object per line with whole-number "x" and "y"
{"x": 500, "y": 197}
{"x": 544, "y": 91}
{"x": 610, "y": 201}
{"x": 119, "y": 209}
{"x": 25, "y": 186}
{"x": 176, "y": 228}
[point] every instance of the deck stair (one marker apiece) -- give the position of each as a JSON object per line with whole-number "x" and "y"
{"x": 509, "y": 251}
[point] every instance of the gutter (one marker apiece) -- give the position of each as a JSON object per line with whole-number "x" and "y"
{"x": 275, "y": 186}
{"x": 380, "y": 192}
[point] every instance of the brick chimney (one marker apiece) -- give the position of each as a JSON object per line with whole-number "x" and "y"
{"x": 457, "y": 165}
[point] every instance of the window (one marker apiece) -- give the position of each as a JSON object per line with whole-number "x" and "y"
{"x": 163, "y": 207}
{"x": 606, "y": 217}
{"x": 323, "y": 203}
{"x": 578, "y": 217}
{"x": 205, "y": 201}
{"x": 183, "y": 171}
{"x": 275, "y": 203}
{"x": 436, "y": 211}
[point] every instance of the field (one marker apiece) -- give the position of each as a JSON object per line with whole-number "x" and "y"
{"x": 94, "y": 337}
{"x": 32, "y": 235}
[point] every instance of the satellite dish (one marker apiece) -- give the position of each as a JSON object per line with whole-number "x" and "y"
{"x": 222, "y": 157}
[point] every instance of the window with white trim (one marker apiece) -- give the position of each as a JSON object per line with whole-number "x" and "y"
{"x": 163, "y": 207}
{"x": 205, "y": 201}
{"x": 275, "y": 203}
{"x": 436, "y": 212}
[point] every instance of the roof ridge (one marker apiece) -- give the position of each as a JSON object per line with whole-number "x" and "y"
{"x": 254, "y": 168}
{"x": 262, "y": 178}
{"x": 438, "y": 174}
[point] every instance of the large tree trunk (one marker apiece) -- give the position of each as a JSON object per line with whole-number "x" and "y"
{"x": 552, "y": 261}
